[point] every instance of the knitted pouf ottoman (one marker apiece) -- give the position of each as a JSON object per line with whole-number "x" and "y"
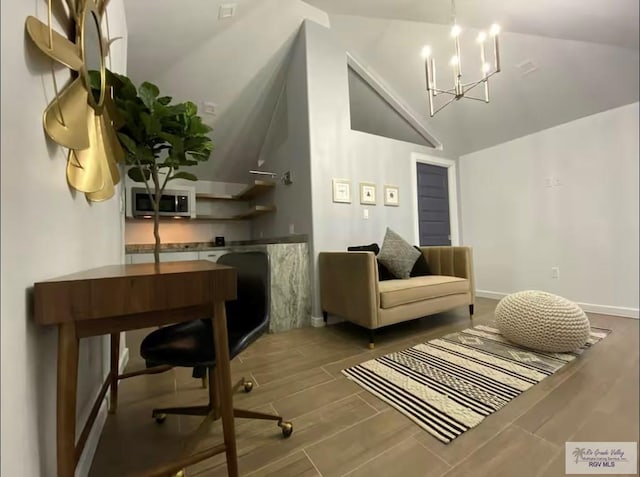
{"x": 542, "y": 321}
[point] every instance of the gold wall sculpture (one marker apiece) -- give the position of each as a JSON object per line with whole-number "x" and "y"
{"x": 80, "y": 118}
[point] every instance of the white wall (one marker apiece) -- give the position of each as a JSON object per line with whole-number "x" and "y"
{"x": 587, "y": 225}
{"x": 339, "y": 152}
{"x": 47, "y": 230}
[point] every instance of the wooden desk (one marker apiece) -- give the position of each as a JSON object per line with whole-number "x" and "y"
{"x": 112, "y": 299}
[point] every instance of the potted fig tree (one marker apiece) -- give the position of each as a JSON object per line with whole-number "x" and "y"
{"x": 159, "y": 138}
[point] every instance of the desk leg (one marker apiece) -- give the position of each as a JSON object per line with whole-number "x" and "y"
{"x": 66, "y": 398}
{"x": 115, "y": 369}
{"x": 226, "y": 399}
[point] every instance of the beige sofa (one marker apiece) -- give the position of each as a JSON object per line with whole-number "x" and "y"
{"x": 350, "y": 289}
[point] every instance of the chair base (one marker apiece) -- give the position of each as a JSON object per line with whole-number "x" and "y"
{"x": 160, "y": 414}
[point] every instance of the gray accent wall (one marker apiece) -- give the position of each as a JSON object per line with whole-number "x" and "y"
{"x": 286, "y": 148}
{"x": 370, "y": 113}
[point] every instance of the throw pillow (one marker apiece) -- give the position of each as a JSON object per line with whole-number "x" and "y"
{"x": 383, "y": 272}
{"x": 397, "y": 254}
{"x": 421, "y": 267}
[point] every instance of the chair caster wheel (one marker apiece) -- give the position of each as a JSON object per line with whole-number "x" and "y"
{"x": 160, "y": 418}
{"x": 287, "y": 429}
{"x": 248, "y": 386}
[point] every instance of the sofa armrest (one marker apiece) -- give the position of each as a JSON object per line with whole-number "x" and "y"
{"x": 349, "y": 286}
{"x": 453, "y": 262}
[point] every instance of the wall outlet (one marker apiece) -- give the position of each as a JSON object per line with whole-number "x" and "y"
{"x": 555, "y": 272}
{"x": 292, "y": 229}
{"x": 365, "y": 213}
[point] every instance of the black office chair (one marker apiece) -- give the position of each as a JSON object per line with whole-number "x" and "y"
{"x": 191, "y": 344}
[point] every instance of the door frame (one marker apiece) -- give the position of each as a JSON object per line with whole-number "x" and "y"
{"x": 452, "y": 176}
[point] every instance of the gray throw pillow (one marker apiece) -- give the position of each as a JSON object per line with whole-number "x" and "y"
{"x": 397, "y": 254}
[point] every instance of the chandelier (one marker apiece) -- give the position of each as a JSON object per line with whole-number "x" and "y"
{"x": 460, "y": 89}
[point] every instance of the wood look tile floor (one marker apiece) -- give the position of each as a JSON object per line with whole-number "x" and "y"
{"x": 342, "y": 430}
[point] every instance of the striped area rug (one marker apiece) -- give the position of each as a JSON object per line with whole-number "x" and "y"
{"x": 450, "y": 384}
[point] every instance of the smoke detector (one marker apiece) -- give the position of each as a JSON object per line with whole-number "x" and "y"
{"x": 226, "y": 11}
{"x": 527, "y": 67}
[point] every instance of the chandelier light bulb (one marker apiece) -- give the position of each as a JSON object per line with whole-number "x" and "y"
{"x": 486, "y": 67}
{"x": 455, "y": 31}
{"x": 454, "y": 60}
{"x": 495, "y": 29}
{"x": 482, "y": 36}
{"x": 426, "y": 52}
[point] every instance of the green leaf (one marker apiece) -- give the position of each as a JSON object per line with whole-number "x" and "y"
{"x": 148, "y": 93}
{"x": 128, "y": 143}
{"x": 176, "y": 109}
{"x": 190, "y": 108}
{"x": 164, "y": 100}
{"x": 139, "y": 175}
{"x": 197, "y": 127}
{"x": 145, "y": 155}
{"x": 200, "y": 156}
{"x": 183, "y": 175}
{"x": 198, "y": 144}
{"x": 152, "y": 125}
{"x": 94, "y": 79}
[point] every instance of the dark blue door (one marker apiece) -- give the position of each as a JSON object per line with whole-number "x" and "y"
{"x": 433, "y": 205}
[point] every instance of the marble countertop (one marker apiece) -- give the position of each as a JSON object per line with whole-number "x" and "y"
{"x": 208, "y": 246}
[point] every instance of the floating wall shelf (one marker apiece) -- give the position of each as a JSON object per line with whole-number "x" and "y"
{"x": 252, "y": 191}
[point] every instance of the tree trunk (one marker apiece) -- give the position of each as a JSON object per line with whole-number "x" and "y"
{"x": 156, "y": 216}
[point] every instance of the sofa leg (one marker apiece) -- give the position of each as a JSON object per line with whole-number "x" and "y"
{"x": 470, "y": 311}
{"x": 325, "y": 316}
{"x": 372, "y": 341}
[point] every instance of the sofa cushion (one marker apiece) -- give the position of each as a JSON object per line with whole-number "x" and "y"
{"x": 401, "y": 292}
{"x": 383, "y": 272}
{"x": 397, "y": 254}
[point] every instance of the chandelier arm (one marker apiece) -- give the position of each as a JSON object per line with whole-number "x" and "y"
{"x": 475, "y": 99}
{"x": 470, "y": 86}
{"x": 443, "y": 106}
{"x": 444, "y": 91}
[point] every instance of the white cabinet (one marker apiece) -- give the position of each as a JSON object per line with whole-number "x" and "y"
{"x": 164, "y": 257}
{"x": 211, "y": 255}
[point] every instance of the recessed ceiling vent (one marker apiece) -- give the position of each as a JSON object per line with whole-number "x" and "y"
{"x": 526, "y": 67}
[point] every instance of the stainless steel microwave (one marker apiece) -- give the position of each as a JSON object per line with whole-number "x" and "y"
{"x": 173, "y": 203}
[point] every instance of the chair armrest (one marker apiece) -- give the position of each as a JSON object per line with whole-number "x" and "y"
{"x": 349, "y": 286}
{"x": 453, "y": 262}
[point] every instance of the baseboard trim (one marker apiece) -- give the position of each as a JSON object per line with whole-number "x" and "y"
{"x": 589, "y": 307}
{"x": 611, "y": 310}
{"x": 90, "y": 448}
{"x": 490, "y": 294}
{"x": 317, "y": 321}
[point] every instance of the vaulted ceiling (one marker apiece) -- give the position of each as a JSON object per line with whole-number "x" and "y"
{"x": 585, "y": 53}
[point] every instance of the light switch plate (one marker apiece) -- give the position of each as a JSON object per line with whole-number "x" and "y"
{"x": 365, "y": 213}
{"x": 226, "y": 11}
